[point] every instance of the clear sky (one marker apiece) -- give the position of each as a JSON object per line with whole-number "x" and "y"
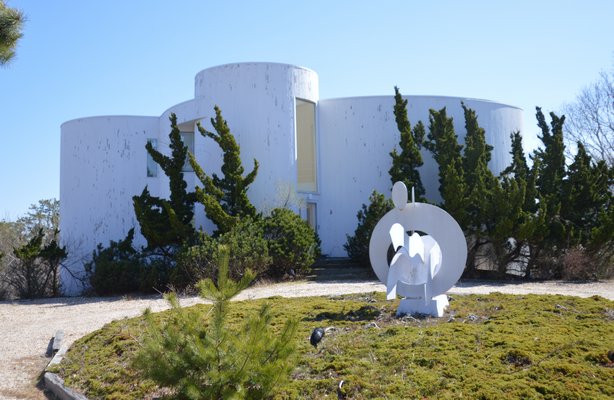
{"x": 138, "y": 57}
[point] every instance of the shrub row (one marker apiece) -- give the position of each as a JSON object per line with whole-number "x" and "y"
{"x": 277, "y": 246}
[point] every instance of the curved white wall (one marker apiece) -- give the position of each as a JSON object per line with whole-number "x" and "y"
{"x": 102, "y": 165}
{"x": 257, "y": 101}
{"x": 103, "y": 159}
{"x": 356, "y": 137}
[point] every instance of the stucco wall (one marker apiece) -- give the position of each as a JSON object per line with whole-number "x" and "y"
{"x": 102, "y": 165}
{"x": 257, "y": 101}
{"x": 103, "y": 159}
{"x": 356, "y": 136}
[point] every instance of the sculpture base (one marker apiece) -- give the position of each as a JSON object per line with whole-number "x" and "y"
{"x": 435, "y": 307}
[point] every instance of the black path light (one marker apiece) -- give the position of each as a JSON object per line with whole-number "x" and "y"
{"x": 316, "y": 336}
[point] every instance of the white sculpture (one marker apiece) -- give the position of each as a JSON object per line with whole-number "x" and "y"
{"x": 425, "y": 267}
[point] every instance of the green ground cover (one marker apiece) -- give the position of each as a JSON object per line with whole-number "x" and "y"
{"x": 486, "y": 347}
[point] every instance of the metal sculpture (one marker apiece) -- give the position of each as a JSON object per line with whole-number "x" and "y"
{"x": 424, "y": 266}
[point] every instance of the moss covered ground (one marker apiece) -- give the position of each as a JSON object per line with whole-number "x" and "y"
{"x": 486, "y": 347}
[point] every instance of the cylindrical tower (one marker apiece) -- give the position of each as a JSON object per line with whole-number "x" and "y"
{"x": 103, "y": 163}
{"x": 258, "y": 100}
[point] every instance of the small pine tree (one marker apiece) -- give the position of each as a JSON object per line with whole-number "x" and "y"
{"x": 208, "y": 360}
{"x": 52, "y": 255}
{"x": 167, "y": 224}
{"x": 35, "y": 273}
{"x": 406, "y": 163}
{"x": 11, "y": 28}
{"x": 27, "y": 278}
{"x": 225, "y": 199}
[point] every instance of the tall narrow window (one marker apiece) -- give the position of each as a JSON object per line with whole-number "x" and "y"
{"x": 311, "y": 216}
{"x": 152, "y": 167}
{"x": 188, "y": 140}
{"x": 306, "y": 146}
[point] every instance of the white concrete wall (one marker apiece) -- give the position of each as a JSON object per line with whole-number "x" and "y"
{"x": 103, "y": 159}
{"x": 102, "y": 165}
{"x": 356, "y": 136}
{"x": 257, "y": 101}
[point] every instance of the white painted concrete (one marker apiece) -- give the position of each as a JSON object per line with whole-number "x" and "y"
{"x": 356, "y": 136}
{"x": 102, "y": 165}
{"x": 103, "y": 159}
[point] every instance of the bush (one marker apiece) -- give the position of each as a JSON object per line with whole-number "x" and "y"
{"x": 158, "y": 273}
{"x": 248, "y": 249}
{"x": 34, "y": 271}
{"x": 578, "y": 264}
{"x": 115, "y": 269}
{"x": 357, "y": 246}
{"x": 293, "y": 245}
{"x": 280, "y": 244}
{"x": 195, "y": 262}
{"x": 197, "y": 359}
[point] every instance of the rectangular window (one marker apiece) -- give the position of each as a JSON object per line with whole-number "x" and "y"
{"x": 188, "y": 140}
{"x": 311, "y": 216}
{"x": 306, "y": 146}
{"x": 152, "y": 167}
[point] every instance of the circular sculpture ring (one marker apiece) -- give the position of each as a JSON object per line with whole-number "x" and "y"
{"x": 433, "y": 221}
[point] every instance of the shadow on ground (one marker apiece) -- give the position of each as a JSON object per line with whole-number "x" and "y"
{"x": 339, "y": 270}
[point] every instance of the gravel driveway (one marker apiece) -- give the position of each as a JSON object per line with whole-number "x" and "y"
{"x": 28, "y": 326}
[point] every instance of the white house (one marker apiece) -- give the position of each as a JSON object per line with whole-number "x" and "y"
{"x": 322, "y": 157}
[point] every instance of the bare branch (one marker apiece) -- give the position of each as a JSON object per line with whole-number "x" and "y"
{"x": 590, "y": 119}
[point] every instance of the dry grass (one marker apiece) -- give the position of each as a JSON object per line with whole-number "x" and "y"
{"x": 487, "y": 346}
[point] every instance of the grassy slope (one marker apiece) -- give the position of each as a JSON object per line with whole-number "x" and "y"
{"x": 486, "y": 347}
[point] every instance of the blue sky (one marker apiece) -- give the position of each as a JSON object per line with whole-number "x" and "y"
{"x": 138, "y": 57}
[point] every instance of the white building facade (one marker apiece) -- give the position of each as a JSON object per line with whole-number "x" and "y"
{"x": 323, "y": 158}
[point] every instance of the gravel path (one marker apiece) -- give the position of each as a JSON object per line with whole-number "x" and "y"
{"x": 28, "y": 326}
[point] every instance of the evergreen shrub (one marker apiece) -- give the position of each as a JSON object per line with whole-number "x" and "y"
{"x": 206, "y": 359}
{"x": 196, "y": 262}
{"x": 248, "y": 249}
{"x": 357, "y": 246}
{"x": 158, "y": 273}
{"x": 115, "y": 269}
{"x": 293, "y": 245}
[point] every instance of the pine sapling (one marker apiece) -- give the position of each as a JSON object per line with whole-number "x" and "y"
{"x": 206, "y": 358}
